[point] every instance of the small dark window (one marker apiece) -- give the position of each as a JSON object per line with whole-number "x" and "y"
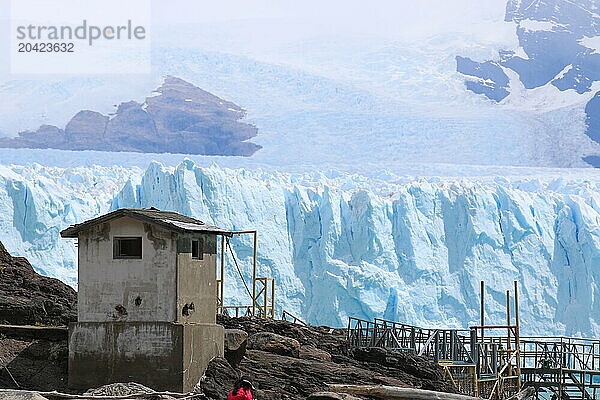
{"x": 127, "y": 247}
{"x": 197, "y": 250}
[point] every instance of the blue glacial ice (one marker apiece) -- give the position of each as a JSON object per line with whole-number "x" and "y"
{"x": 342, "y": 245}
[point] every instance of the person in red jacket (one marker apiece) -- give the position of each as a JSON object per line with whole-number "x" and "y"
{"x": 242, "y": 390}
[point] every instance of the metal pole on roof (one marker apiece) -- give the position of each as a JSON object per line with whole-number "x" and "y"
{"x": 222, "y": 282}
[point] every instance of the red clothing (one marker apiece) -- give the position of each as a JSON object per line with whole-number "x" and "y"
{"x": 242, "y": 394}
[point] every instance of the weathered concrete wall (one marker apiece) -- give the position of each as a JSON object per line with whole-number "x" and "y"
{"x": 127, "y": 289}
{"x": 196, "y": 282}
{"x": 160, "y": 355}
{"x": 201, "y": 343}
{"x": 146, "y": 352}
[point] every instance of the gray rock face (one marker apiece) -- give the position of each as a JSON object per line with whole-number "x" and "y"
{"x": 180, "y": 118}
{"x": 274, "y": 343}
{"x": 27, "y": 298}
{"x": 85, "y": 127}
{"x": 236, "y": 341}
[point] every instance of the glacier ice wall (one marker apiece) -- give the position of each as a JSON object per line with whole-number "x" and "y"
{"x": 350, "y": 246}
{"x": 36, "y": 202}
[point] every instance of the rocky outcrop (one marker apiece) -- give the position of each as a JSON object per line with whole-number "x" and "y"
{"x": 274, "y": 343}
{"x": 325, "y": 338}
{"x": 322, "y": 358}
{"x": 178, "y": 118}
{"x": 27, "y": 298}
{"x": 275, "y": 376}
{"x": 218, "y": 379}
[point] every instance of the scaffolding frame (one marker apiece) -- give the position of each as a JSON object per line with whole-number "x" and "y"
{"x": 262, "y": 295}
{"x": 567, "y": 367}
{"x": 493, "y": 361}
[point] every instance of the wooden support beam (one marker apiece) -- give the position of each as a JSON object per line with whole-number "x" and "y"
{"x": 482, "y": 315}
{"x": 221, "y": 288}
{"x": 508, "y": 319}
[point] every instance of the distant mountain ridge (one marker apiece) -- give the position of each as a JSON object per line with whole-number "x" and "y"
{"x": 178, "y": 118}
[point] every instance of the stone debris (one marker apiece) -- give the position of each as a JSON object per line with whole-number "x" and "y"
{"x": 119, "y": 389}
{"x": 127, "y": 389}
{"x": 20, "y": 395}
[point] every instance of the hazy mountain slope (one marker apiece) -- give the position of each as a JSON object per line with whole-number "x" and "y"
{"x": 557, "y": 62}
{"x": 395, "y": 103}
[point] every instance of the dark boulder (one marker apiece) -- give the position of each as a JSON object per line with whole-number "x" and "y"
{"x": 274, "y": 343}
{"x": 310, "y": 373}
{"x": 236, "y": 341}
{"x": 218, "y": 379}
{"x": 309, "y": 352}
{"x": 27, "y": 298}
{"x": 430, "y": 375}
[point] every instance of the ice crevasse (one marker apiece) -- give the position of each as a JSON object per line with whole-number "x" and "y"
{"x": 412, "y": 251}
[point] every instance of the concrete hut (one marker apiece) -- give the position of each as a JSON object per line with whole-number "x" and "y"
{"x": 147, "y": 300}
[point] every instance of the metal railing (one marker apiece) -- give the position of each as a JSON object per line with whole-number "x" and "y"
{"x": 439, "y": 344}
{"x": 235, "y": 311}
{"x": 560, "y": 352}
{"x": 286, "y": 316}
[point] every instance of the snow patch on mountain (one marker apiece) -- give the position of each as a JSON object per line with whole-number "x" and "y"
{"x": 533, "y": 25}
{"x": 592, "y": 43}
